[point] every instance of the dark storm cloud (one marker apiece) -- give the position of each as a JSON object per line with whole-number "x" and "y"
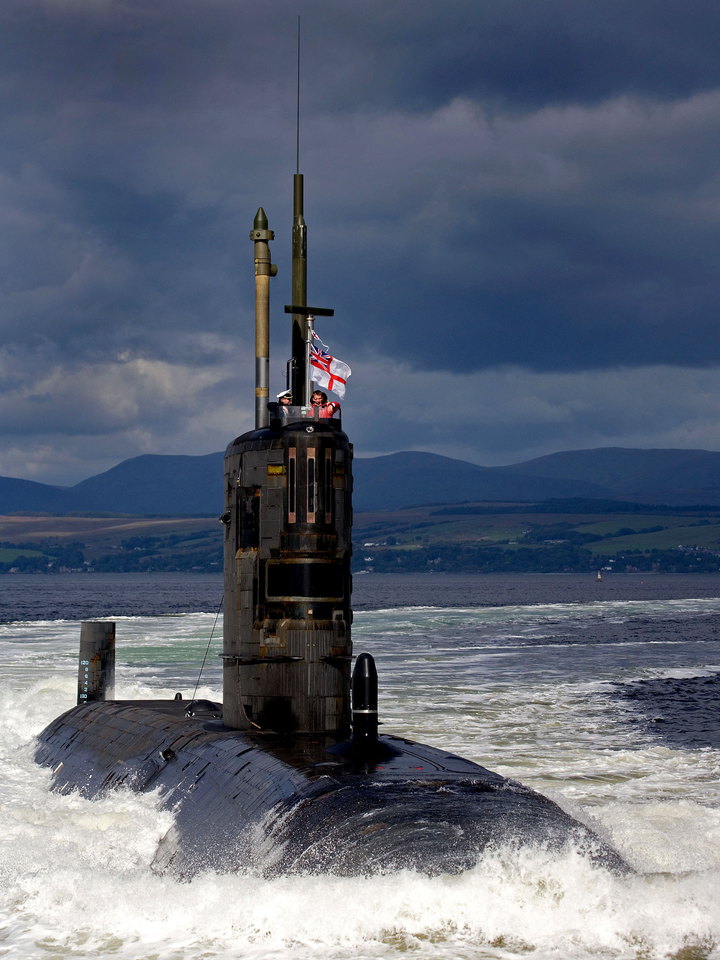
{"x": 525, "y": 184}
{"x": 141, "y": 134}
{"x": 520, "y": 54}
{"x": 407, "y": 53}
{"x": 572, "y": 237}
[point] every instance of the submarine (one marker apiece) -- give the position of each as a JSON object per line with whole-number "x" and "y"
{"x": 290, "y": 774}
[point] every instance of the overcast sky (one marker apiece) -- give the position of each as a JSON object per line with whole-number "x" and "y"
{"x": 512, "y": 205}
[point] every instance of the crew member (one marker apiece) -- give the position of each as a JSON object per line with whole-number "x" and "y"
{"x": 320, "y": 403}
{"x": 285, "y": 401}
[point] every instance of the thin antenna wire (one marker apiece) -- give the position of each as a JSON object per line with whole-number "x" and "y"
{"x": 297, "y": 147}
{"x": 207, "y": 649}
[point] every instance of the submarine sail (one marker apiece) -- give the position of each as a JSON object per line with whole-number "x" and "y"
{"x": 289, "y": 772}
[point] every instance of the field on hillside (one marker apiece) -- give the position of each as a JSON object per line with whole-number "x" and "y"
{"x": 518, "y": 537}
{"x": 109, "y": 544}
{"x": 479, "y": 537}
{"x": 425, "y": 523}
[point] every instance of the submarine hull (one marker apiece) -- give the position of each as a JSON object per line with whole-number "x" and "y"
{"x": 267, "y": 781}
{"x": 282, "y": 804}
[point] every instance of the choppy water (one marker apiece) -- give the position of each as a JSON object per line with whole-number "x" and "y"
{"x": 568, "y": 695}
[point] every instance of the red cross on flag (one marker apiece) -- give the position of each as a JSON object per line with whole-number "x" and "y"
{"x": 330, "y": 373}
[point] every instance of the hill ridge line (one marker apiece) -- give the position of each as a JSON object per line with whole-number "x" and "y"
{"x": 186, "y": 484}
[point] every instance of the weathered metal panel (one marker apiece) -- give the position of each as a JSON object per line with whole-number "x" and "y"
{"x": 301, "y": 627}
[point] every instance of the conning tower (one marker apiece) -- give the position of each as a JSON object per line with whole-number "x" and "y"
{"x": 288, "y": 516}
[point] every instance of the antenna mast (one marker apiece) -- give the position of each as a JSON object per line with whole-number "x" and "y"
{"x": 297, "y": 124}
{"x": 299, "y": 270}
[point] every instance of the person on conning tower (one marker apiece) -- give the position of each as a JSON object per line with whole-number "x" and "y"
{"x": 284, "y": 402}
{"x": 320, "y": 401}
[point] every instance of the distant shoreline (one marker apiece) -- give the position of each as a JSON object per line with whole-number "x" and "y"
{"x": 570, "y": 536}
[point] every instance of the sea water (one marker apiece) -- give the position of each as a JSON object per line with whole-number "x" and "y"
{"x": 602, "y": 696}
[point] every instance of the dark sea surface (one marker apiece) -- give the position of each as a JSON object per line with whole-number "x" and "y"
{"x": 84, "y": 596}
{"x": 604, "y": 696}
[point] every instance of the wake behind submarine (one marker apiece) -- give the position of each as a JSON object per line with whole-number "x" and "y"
{"x": 289, "y": 773}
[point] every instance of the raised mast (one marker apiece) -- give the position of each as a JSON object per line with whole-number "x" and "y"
{"x": 264, "y": 269}
{"x": 298, "y": 383}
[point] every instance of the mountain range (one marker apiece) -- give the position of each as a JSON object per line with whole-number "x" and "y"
{"x": 185, "y": 485}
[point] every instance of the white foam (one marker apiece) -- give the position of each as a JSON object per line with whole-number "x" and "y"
{"x": 75, "y": 878}
{"x": 88, "y": 896}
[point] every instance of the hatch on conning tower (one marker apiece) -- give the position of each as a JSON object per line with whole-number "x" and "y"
{"x": 288, "y": 516}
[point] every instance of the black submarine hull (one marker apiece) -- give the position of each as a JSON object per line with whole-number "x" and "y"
{"x": 282, "y": 804}
{"x": 267, "y": 782}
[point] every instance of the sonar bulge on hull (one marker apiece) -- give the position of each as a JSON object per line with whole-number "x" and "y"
{"x": 289, "y": 773}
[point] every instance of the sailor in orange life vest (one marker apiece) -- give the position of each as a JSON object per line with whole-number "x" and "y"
{"x": 319, "y": 399}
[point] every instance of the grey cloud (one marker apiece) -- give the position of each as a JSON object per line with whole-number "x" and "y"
{"x": 509, "y": 414}
{"x": 416, "y": 53}
{"x": 491, "y": 417}
{"x": 74, "y": 421}
{"x": 155, "y": 130}
{"x": 520, "y": 54}
{"x": 488, "y": 184}
{"x": 545, "y": 251}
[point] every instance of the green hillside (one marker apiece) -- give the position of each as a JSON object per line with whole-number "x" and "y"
{"x": 524, "y": 538}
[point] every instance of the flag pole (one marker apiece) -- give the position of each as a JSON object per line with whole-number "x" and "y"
{"x": 302, "y": 369}
{"x": 309, "y": 328}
